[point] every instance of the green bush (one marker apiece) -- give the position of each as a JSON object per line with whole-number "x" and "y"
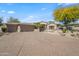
{"x": 72, "y": 31}
{"x": 72, "y": 34}
{"x": 4, "y": 28}
{"x": 64, "y": 30}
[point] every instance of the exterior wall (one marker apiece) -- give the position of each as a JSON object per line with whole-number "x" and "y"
{"x": 51, "y": 27}
{"x": 76, "y": 28}
{"x": 12, "y": 27}
{"x": 23, "y": 27}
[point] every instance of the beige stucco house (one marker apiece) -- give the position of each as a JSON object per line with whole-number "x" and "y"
{"x": 49, "y": 27}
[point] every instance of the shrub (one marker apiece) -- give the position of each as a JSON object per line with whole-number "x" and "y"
{"x": 77, "y": 35}
{"x": 4, "y": 28}
{"x": 72, "y": 31}
{"x": 64, "y": 30}
{"x": 72, "y": 35}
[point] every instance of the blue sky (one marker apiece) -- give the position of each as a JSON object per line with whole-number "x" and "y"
{"x": 29, "y": 12}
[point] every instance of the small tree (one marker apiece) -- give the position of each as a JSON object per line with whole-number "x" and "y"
{"x": 4, "y": 28}
{"x": 66, "y": 15}
{"x": 13, "y": 20}
{"x": 39, "y": 26}
{"x": 50, "y": 22}
{"x": 1, "y": 20}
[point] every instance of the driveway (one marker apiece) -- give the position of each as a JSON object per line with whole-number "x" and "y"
{"x": 37, "y": 44}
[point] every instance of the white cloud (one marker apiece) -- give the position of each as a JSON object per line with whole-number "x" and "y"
{"x": 31, "y": 19}
{"x": 34, "y": 18}
{"x": 60, "y": 4}
{"x": 11, "y": 12}
{"x": 43, "y": 8}
{"x": 65, "y": 4}
{"x": 3, "y": 11}
{"x": 9, "y": 3}
{"x": 68, "y": 4}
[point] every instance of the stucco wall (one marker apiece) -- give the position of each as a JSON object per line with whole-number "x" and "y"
{"x": 12, "y": 27}
{"x": 24, "y": 27}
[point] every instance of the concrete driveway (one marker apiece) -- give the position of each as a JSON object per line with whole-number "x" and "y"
{"x": 37, "y": 44}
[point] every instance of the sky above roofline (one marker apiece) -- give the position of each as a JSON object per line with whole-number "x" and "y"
{"x": 30, "y": 12}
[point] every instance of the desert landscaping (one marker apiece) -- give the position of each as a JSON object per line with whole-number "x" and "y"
{"x": 58, "y": 37}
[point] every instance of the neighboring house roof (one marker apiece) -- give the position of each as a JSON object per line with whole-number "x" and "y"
{"x": 20, "y": 23}
{"x": 51, "y": 24}
{"x": 43, "y": 22}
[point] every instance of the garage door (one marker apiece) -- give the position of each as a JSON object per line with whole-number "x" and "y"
{"x": 12, "y": 27}
{"x": 25, "y": 28}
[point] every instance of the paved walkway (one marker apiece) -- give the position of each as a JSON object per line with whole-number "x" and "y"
{"x": 37, "y": 44}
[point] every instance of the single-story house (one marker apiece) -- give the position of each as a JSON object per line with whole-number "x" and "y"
{"x": 51, "y": 27}
{"x": 15, "y": 27}
{"x": 76, "y": 28}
